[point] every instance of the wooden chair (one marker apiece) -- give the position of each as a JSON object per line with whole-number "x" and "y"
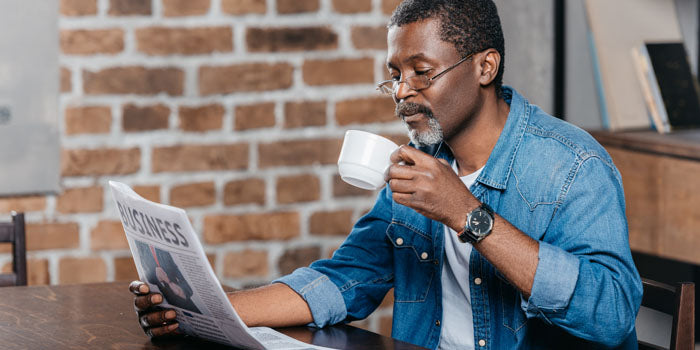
{"x": 663, "y": 304}
{"x": 13, "y": 232}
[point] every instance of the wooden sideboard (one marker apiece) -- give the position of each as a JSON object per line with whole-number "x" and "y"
{"x": 661, "y": 177}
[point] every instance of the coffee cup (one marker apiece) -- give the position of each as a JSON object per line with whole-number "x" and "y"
{"x": 364, "y": 159}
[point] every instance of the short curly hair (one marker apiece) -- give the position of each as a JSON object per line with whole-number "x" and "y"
{"x": 470, "y": 25}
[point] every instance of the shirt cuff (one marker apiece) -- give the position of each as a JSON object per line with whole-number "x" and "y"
{"x": 323, "y": 297}
{"x": 555, "y": 280}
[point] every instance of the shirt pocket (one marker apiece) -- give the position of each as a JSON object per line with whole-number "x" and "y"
{"x": 414, "y": 263}
{"x": 513, "y": 316}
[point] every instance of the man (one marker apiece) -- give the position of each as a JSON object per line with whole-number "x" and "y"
{"x": 504, "y": 229}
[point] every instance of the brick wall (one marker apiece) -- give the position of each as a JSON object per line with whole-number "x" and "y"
{"x": 232, "y": 109}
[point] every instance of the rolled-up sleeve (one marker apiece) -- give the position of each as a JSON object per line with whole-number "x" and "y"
{"x": 586, "y": 281}
{"x": 322, "y": 295}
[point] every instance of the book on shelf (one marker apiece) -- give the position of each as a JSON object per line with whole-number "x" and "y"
{"x": 670, "y": 89}
{"x": 615, "y": 28}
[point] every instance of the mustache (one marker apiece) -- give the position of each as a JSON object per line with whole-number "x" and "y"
{"x": 409, "y": 108}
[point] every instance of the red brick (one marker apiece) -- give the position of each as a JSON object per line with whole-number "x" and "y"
{"x": 134, "y": 80}
{"x": 297, "y": 6}
{"x": 343, "y": 189}
{"x": 248, "y": 191}
{"x": 388, "y": 6}
{"x": 176, "y": 8}
{"x": 80, "y": 200}
{"x": 22, "y": 204}
{"x": 298, "y": 257}
{"x": 299, "y": 152}
{"x": 78, "y": 7}
{"x": 88, "y": 120}
{"x": 102, "y": 161}
{"x": 125, "y": 269}
{"x": 341, "y": 71}
{"x": 201, "y": 118}
{"x": 247, "y": 263}
{"x": 193, "y": 194}
{"x": 108, "y": 234}
{"x": 255, "y": 116}
{"x": 298, "y": 188}
{"x": 200, "y": 157}
{"x": 291, "y": 39}
{"x": 52, "y": 236}
{"x": 66, "y": 84}
{"x": 91, "y": 42}
{"x": 152, "y": 193}
{"x": 129, "y": 7}
{"x": 330, "y": 223}
{"x": 82, "y": 270}
{"x": 399, "y": 139}
{"x": 244, "y": 77}
{"x": 365, "y": 111}
{"x": 243, "y": 7}
{"x": 369, "y": 37}
{"x": 145, "y": 118}
{"x": 264, "y": 226}
{"x": 354, "y": 6}
{"x": 37, "y": 271}
{"x": 184, "y": 41}
{"x": 304, "y": 113}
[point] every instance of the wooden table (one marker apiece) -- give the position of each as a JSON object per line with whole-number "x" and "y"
{"x": 661, "y": 176}
{"x": 101, "y": 316}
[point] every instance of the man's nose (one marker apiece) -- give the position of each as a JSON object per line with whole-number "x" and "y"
{"x": 403, "y": 91}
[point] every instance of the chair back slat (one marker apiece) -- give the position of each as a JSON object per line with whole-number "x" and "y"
{"x": 678, "y": 301}
{"x": 14, "y": 232}
{"x": 7, "y": 233}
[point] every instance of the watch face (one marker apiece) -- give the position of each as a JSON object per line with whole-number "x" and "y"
{"x": 480, "y": 222}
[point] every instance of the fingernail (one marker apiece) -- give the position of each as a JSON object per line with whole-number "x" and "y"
{"x": 143, "y": 288}
{"x": 170, "y": 314}
{"x": 172, "y": 327}
{"x": 156, "y": 298}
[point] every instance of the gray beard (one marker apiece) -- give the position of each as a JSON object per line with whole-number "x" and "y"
{"x": 431, "y": 137}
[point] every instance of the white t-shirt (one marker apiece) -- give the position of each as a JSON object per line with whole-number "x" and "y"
{"x": 457, "y": 323}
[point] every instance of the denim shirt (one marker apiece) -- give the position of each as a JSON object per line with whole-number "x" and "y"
{"x": 549, "y": 179}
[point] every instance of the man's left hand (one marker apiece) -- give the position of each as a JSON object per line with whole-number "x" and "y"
{"x": 429, "y": 186}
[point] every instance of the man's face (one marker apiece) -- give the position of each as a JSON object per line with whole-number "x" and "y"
{"x": 442, "y": 109}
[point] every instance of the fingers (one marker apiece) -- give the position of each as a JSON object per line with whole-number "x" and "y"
{"x": 406, "y": 154}
{"x": 399, "y": 171}
{"x": 139, "y": 288}
{"x": 145, "y": 302}
{"x": 157, "y": 318}
{"x": 402, "y": 186}
{"x": 163, "y": 331}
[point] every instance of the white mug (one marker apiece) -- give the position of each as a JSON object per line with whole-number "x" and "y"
{"x": 364, "y": 159}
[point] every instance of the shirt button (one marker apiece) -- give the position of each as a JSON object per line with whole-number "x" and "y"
{"x": 477, "y": 281}
{"x": 399, "y": 241}
{"x": 424, "y": 255}
{"x": 437, "y": 323}
{"x": 482, "y": 342}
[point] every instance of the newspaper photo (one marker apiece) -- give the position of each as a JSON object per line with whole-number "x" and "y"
{"x": 170, "y": 258}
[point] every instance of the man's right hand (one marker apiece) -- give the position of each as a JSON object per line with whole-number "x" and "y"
{"x": 156, "y": 321}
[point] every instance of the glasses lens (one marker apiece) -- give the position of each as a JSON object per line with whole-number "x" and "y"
{"x": 386, "y": 88}
{"x": 418, "y": 82}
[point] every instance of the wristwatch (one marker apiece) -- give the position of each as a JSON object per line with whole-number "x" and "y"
{"x": 478, "y": 226}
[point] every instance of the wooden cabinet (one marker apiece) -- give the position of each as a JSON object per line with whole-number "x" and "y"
{"x": 661, "y": 177}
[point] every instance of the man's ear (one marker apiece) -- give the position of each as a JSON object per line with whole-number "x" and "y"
{"x": 490, "y": 62}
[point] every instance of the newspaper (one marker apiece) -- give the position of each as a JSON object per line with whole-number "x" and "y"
{"x": 170, "y": 258}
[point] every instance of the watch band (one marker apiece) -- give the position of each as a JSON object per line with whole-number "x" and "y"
{"x": 466, "y": 236}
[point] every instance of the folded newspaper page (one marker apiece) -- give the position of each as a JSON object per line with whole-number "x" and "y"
{"x": 170, "y": 258}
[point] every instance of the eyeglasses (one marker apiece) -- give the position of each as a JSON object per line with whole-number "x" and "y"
{"x": 416, "y": 82}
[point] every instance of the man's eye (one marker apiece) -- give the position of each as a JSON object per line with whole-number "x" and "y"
{"x": 422, "y": 72}
{"x": 396, "y": 78}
